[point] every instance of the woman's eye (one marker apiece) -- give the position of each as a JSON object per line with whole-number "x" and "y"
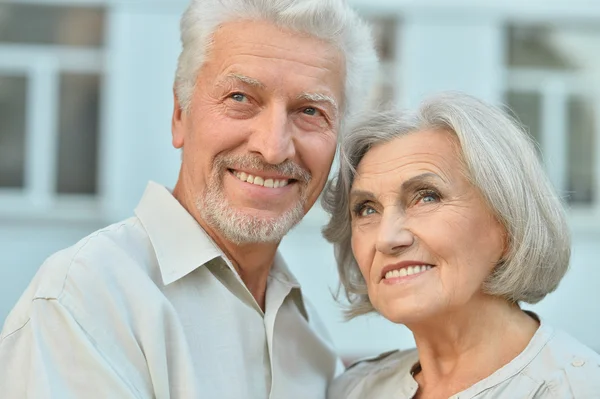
{"x": 428, "y": 196}
{"x": 362, "y": 210}
{"x": 239, "y": 97}
{"x": 367, "y": 210}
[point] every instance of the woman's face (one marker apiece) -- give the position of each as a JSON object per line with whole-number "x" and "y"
{"x": 422, "y": 235}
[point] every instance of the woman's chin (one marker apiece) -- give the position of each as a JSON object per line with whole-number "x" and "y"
{"x": 408, "y": 316}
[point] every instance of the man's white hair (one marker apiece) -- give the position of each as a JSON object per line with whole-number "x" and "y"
{"x": 330, "y": 20}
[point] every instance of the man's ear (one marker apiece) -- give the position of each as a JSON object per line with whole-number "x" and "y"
{"x": 177, "y": 123}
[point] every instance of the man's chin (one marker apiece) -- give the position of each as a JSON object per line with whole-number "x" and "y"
{"x": 251, "y": 226}
{"x": 265, "y": 215}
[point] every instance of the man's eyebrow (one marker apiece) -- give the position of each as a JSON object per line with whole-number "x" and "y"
{"x": 244, "y": 79}
{"x": 313, "y": 97}
{"x": 319, "y": 98}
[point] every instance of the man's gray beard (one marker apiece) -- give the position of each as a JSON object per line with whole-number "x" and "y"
{"x": 242, "y": 228}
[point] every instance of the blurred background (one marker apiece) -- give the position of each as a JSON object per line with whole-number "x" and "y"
{"x": 86, "y": 100}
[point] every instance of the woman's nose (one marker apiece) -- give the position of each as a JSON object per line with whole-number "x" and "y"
{"x": 393, "y": 235}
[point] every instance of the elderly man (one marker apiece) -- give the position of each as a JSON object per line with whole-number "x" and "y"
{"x": 189, "y": 298}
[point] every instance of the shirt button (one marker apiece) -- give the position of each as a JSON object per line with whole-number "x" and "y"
{"x": 578, "y": 363}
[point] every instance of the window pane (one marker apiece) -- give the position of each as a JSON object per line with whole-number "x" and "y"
{"x": 385, "y": 32}
{"x": 558, "y": 48}
{"x": 526, "y": 107}
{"x": 581, "y": 150}
{"x": 78, "y": 134}
{"x": 536, "y": 47}
{"x": 13, "y": 93}
{"x": 61, "y": 25}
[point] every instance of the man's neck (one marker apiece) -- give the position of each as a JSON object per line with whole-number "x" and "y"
{"x": 253, "y": 262}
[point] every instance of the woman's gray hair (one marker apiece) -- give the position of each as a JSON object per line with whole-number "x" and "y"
{"x": 500, "y": 160}
{"x": 331, "y": 20}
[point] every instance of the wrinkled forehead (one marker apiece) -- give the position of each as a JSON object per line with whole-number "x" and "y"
{"x": 435, "y": 150}
{"x": 272, "y": 58}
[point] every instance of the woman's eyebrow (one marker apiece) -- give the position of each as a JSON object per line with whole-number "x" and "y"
{"x": 419, "y": 180}
{"x": 408, "y": 185}
{"x": 356, "y": 194}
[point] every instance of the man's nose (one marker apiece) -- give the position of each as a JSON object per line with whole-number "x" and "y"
{"x": 272, "y": 136}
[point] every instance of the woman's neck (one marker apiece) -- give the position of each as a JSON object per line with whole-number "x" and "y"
{"x": 462, "y": 347}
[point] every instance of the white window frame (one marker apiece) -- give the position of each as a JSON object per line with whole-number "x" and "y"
{"x": 42, "y": 66}
{"x": 555, "y": 89}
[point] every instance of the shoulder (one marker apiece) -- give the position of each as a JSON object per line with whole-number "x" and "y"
{"x": 565, "y": 364}
{"x": 312, "y": 315}
{"x": 351, "y": 384}
{"x": 394, "y": 359}
{"x": 103, "y": 256}
{"x": 85, "y": 272}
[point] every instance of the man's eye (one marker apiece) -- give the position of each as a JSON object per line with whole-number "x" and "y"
{"x": 310, "y": 111}
{"x": 239, "y": 97}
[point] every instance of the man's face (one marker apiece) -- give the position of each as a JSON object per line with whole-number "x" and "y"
{"x": 260, "y": 134}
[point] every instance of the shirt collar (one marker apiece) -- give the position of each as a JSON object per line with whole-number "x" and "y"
{"x": 180, "y": 243}
{"x": 537, "y": 343}
{"x": 283, "y": 275}
{"x": 281, "y": 272}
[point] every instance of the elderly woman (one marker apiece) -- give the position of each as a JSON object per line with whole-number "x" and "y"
{"x": 445, "y": 222}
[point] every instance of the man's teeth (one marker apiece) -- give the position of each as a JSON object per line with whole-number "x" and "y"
{"x": 259, "y": 181}
{"x": 407, "y": 271}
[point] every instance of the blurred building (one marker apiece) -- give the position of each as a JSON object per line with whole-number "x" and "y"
{"x": 86, "y": 100}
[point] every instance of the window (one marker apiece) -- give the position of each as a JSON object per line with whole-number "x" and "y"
{"x": 13, "y": 92}
{"x": 51, "y": 68}
{"x": 552, "y": 75}
{"x": 33, "y": 24}
{"x": 385, "y": 31}
{"x": 78, "y": 133}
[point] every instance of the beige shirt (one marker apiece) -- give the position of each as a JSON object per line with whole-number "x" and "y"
{"x": 553, "y": 366}
{"x": 151, "y": 308}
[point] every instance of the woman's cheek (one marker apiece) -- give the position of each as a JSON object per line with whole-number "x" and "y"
{"x": 363, "y": 251}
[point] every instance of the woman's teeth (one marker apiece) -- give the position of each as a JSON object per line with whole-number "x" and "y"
{"x": 407, "y": 271}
